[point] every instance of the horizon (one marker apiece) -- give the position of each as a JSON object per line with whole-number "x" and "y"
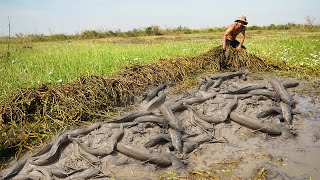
{"x": 75, "y": 16}
{"x": 141, "y": 28}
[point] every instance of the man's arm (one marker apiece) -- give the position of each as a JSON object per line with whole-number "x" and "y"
{"x": 225, "y": 34}
{"x": 243, "y": 33}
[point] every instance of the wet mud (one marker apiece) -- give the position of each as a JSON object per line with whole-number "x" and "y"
{"x": 198, "y": 130}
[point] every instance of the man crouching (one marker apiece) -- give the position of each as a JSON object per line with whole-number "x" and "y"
{"x": 229, "y": 36}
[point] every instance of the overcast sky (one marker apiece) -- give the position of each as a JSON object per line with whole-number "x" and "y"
{"x": 74, "y": 16}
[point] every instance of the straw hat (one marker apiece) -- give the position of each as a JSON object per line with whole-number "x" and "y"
{"x": 243, "y": 19}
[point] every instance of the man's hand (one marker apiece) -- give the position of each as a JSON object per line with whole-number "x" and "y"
{"x": 224, "y": 48}
{"x": 239, "y": 48}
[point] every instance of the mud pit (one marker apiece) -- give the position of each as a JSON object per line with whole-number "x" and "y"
{"x": 197, "y": 130}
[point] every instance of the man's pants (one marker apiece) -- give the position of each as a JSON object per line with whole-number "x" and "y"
{"x": 234, "y": 43}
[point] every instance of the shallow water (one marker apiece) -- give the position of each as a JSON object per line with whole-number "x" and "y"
{"x": 296, "y": 158}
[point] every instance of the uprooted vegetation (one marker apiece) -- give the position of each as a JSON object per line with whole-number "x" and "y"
{"x": 34, "y": 115}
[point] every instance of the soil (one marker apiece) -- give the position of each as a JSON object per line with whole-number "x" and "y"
{"x": 240, "y": 153}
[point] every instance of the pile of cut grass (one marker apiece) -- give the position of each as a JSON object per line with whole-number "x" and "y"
{"x": 31, "y": 116}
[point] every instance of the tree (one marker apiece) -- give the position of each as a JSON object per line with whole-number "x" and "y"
{"x": 310, "y": 20}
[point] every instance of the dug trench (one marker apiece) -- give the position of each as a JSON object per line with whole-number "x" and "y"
{"x": 233, "y": 125}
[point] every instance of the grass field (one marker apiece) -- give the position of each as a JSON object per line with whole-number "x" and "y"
{"x": 34, "y": 63}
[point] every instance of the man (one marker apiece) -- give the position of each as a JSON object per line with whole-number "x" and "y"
{"x": 229, "y": 36}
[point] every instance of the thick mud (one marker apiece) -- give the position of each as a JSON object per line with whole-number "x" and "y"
{"x": 233, "y": 151}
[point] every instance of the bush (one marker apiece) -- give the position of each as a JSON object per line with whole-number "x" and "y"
{"x": 90, "y": 34}
{"x": 153, "y": 30}
{"x": 60, "y": 37}
{"x": 253, "y": 28}
{"x": 134, "y": 33}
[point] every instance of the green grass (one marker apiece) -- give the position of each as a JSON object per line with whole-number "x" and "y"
{"x": 298, "y": 49}
{"x": 63, "y": 61}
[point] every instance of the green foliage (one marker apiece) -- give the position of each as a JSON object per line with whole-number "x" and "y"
{"x": 89, "y": 34}
{"x": 135, "y": 33}
{"x": 153, "y": 31}
{"x": 59, "y": 37}
{"x": 184, "y": 30}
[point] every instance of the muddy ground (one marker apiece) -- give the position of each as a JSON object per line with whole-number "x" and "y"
{"x": 234, "y": 152}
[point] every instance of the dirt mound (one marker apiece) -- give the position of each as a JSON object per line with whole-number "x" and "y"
{"x": 233, "y": 126}
{"x": 31, "y": 116}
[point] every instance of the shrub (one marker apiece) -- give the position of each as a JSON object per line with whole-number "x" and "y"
{"x": 153, "y": 30}
{"x": 90, "y": 34}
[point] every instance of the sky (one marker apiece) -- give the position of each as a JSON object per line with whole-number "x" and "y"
{"x": 75, "y": 16}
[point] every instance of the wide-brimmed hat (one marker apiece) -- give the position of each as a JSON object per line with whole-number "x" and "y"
{"x": 243, "y": 19}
